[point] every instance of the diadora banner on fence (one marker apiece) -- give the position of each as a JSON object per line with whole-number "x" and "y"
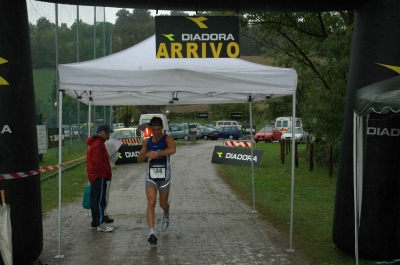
{"x": 128, "y": 154}
{"x": 53, "y": 137}
{"x": 197, "y": 37}
{"x": 236, "y": 156}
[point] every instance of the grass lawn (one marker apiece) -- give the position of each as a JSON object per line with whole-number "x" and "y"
{"x": 314, "y": 197}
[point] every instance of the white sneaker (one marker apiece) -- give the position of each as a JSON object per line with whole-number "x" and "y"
{"x": 105, "y": 228}
{"x": 165, "y": 223}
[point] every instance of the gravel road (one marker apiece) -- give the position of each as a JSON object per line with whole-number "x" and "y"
{"x": 208, "y": 223}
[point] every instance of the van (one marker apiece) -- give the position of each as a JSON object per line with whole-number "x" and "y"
{"x": 145, "y": 118}
{"x": 283, "y": 123}
{"x": 227, "y": 123}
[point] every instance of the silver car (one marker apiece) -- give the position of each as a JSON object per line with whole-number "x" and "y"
{"x": 300, "y": 135}
{"x": 181, "y": 131}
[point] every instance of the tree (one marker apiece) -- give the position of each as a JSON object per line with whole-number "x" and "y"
{"x": 44, "y": 24}
{"x": 127, "y": 113}
{"x": 317, "y": 45}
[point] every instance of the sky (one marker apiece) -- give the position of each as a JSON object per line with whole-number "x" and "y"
{"x": 67, "y": 13}
{"x": 111, "y": 11}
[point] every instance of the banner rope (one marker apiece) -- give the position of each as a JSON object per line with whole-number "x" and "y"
{"x": 37, "y": 171}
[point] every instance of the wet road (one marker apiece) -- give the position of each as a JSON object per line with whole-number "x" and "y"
{"x": 208, "y": 223}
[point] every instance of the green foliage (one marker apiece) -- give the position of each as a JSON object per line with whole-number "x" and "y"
{"x": 317, "y": 45}
{"x": 278, "y": 107}
{"x": 127, "y": 113}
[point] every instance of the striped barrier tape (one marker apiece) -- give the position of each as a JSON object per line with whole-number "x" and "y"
{"x": 37, "y": 171}
{"x": 130, "y": 140}
{"x": 243, "y": 143}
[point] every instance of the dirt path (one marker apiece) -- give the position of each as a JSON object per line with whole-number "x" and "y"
{"x": 208, "y": 224}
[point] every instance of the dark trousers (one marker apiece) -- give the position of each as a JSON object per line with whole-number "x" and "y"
{"x": 98, "y": 201}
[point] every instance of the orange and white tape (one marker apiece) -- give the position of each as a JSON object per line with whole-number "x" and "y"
{"x": 37, "y": 171}
{"x": 243, "y": 143}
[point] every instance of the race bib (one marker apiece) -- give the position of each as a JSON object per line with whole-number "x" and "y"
{"x": 158, "y": 171}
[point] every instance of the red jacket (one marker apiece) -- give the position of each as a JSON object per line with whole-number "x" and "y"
{"x": 97, "y": 161}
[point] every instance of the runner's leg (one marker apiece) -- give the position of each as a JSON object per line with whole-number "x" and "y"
{"x": 151, "y": 194}
{"x": 164, "y": 202}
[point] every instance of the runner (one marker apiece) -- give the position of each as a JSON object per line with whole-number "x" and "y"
{"x": 157, "y": 150}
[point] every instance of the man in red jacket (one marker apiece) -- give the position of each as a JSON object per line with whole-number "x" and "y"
{"x": 99, "y": 172}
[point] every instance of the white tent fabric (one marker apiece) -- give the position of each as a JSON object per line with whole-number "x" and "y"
{"x": 136, "y": 77}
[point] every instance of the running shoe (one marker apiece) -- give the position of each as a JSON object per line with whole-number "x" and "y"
{"x": 165, "y": 223}
{"x": 152, "y": 239}
{"x": 105, "y": 228}
{"x": 108, "y": 219}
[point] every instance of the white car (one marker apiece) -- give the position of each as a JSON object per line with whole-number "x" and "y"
{"x": 129, "y": 136}
{"x": 300, "y": 135}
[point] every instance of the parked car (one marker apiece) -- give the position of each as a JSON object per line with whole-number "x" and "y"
{"x": 208, "y": 133}
{"x": 209, "y": 125}
{"x": 268, "y": 134}
{"x": 67, "y": 131}
{"x": 230, "y": 132}
{"x": 227, "y": 123}
{"x": 181, "y": 131}
{"x": 84, "y": 132}
{"x": 75, "y": 128}
{"x": 198, "y": 125}
{"x": 300, "y": 135}
{"x": 118, "y": 125}
{"x": 129, "y": 136}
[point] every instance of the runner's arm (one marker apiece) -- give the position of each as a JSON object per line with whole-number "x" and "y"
{"x": 171, "y": 147}
{"x": 143, "y": 152}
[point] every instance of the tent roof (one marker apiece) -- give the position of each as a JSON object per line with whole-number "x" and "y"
{"x": 136, "y": 77}
{"x": 379, "y": 97}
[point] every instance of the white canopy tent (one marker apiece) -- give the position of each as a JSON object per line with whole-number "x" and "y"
{"x": 136, "y": 77}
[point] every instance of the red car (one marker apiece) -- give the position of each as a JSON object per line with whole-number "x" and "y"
{"x": 268, "y": 134}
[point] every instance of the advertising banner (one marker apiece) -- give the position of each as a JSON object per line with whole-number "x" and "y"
{"x": 53, "y": 137}
{"x": 236, "y": 156}
{"x": 246, "y": 130}
{"x": 128, "y": 154}
{"x": 236, "y": 115}
{"x": 202, "y": 115}
{"x": 197, "y": 37}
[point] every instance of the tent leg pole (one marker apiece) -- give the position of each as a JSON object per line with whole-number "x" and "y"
{"x": 59, "y": 171}
{"x": 355, "y": 127}
{"x": 292, "y": 173}
{"x": 251, "y": 150}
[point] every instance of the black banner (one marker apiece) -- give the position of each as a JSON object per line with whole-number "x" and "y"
{"x": 197, "y": 37}
{"x": 246, "y": 130}
{"x": 18, "y": 137}
{"x": 236, "y": 156}
{"x": 128, "y": 154}
{"x": 236, "y": 115}
{"x": 53, "y": 137}
{"x": 379, "y": 236}
{"x": 202, "y": 115}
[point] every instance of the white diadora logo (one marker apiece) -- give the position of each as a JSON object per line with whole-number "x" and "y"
{"x": 240, "y": 157}
{"x": 6, "y": 129}
{"x": 132, "y": 154}
{"x": 383, "y": 131}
